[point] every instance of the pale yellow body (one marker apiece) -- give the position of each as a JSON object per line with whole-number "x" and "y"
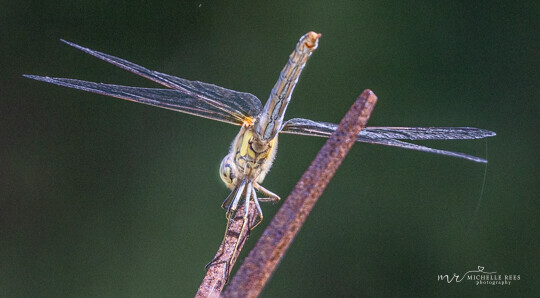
{"x": 249, "y": 157}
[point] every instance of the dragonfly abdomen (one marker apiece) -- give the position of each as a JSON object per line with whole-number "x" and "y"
{"x": 271, "y": 118}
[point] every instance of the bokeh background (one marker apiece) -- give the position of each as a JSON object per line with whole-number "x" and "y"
{"x": 100, "y": 197}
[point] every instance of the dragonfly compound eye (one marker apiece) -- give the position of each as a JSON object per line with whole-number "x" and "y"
{"x": 227, "y": 170}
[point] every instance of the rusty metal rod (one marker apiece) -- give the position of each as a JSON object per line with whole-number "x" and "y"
{"x": 265, "y": 256}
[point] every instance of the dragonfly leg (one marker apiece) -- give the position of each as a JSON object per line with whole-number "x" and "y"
{"x": 231, "y": 209}
{"x": 245, "y": 220}
{"x": 272, "y": 197}
{"x": 228, "y": 200}
{"x": 259, "y": 210}
{"x": 221, "y": 247}
{"x": 230, "y": 204}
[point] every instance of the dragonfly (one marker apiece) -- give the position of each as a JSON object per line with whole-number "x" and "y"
{"x": 253, "y": 150}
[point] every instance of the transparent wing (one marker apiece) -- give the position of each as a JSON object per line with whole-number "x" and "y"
{"x": 390, "y": 136}
{"x": 163, "y": 98}
{"x": 398, "y": 133}
{"x": 238, "y": 104}
{"x": 427, "y": 133}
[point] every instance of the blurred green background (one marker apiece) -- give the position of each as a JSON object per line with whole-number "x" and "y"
{"x": 101, "y": 197}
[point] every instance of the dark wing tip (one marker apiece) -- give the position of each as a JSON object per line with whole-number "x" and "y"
{"x": 34, "y": 77}
{"x": 65, "y": 41}
{"x": 480, "y": 160}
{"x": 480, "y": 133}
{"x": 73, "y": 45}
{"x": 52, "y": 80}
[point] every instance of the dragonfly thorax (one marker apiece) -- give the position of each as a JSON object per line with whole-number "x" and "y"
{"x": 249, "y": 158}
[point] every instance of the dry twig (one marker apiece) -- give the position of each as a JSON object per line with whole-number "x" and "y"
{"x": 218, "y": 271}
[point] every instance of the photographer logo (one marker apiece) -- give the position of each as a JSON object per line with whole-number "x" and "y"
{"x": 480, "y": 277}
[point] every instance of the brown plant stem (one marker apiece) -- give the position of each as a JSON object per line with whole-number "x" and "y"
{"x": 217, "y": 273}
{"x": 265, "y": 256}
